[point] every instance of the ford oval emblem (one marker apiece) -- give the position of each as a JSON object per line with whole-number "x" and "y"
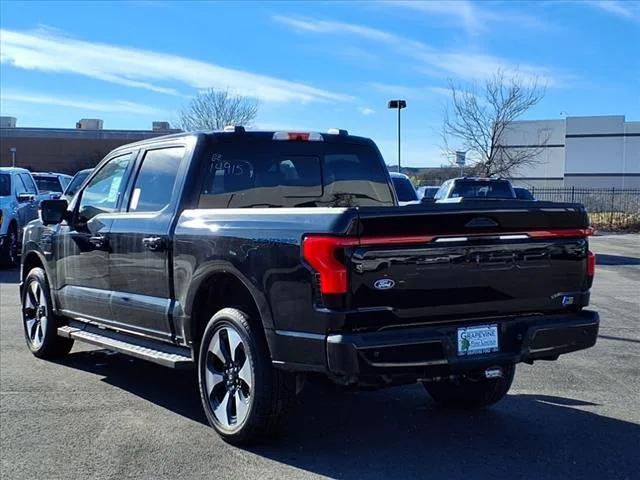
{"x": 384, "y": 284}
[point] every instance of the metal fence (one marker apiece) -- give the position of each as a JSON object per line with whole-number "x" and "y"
{"x": 609, "y": 208}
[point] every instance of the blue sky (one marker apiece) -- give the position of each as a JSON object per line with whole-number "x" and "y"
{"x": 313, "y": 65}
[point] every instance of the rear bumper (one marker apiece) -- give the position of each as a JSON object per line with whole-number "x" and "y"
{"x": 433, "y": 349}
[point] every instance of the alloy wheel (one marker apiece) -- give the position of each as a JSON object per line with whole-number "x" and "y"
{"x": 13, "y": 247}
{"x": 35, "y": 313}
{"x": 228, "y": 378}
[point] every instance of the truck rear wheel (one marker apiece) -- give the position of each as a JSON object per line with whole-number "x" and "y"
{"x": 242, "y": 394}
{"x": 471, "y": 392}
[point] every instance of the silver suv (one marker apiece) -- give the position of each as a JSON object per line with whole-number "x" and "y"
{"x": 19, "y": 199}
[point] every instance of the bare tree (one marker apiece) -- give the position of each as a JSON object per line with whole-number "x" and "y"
{"x": 477, "y": 123}
{"x": 215, "y": 109}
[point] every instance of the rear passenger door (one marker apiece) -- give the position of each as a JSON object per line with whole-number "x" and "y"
{"x": 139, "y": 261}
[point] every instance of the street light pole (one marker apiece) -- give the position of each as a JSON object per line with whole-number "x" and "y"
{"x": 399, "y": 140}
{"x": 13, "y": 156}
{"x": 398, "y": 104}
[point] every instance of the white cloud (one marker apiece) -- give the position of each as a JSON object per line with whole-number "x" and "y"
{"x": 119, "y": 106}
{"x": 471, "y": 16}
{"x": 459, "y": 64}
{"x": 50, "y": 52}
{"x": 366, "y": 111}
{"x": 463, "y": 12}
{"x": 414, "y": 93}
{"x": 628, "y": 10}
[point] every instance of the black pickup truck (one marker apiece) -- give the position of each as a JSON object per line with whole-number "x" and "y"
{"x": 266, "y": 258}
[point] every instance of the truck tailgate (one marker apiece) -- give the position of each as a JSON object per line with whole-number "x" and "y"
{"x": 455, "y": 261}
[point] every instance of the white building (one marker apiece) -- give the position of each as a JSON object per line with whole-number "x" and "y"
{"x": 600, "y": 152}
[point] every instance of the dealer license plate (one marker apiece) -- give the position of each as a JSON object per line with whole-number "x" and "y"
{"x": 477, "y": 339}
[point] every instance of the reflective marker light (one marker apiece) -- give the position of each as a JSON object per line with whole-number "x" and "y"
{"x": 591, "y": 264}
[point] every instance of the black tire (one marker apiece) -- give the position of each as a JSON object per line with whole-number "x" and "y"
{"x": 39, "y": 321}
{"x": 265, "y": 393}
{"x": 472, "y": 392}
{"x": 9, "y": 250}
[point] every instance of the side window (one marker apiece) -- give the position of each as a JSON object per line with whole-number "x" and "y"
{"x": 156, "y": 180}
{"x": 29, "y": 183}
{"x": 20, "y": 187}
{"x": 442, "y": 191}
{"x": 103, "y": 191}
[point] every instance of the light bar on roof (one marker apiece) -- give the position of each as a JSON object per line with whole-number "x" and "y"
{"x": 298, "y": 136}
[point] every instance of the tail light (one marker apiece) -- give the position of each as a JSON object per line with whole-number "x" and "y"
{"x": 322, "y": 254}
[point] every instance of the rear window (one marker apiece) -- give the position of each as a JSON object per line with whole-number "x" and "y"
{"x": 293, "y": 174}
{"x": 48, "y": 184}
{"x": 523, "y": 194}
{"x": 5, "y": 184}
{"x": 430, "y": 192}
{"x": 404, "y": 189}
{"x": 76, "y": 183}
{"x": 481, "y": 189}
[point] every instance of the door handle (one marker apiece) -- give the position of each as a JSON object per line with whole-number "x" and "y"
{"x": 99, "y": 242}
{"x": 155, "y": 244}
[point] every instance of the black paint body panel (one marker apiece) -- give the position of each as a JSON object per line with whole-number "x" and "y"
{"x": 124, "y": 286}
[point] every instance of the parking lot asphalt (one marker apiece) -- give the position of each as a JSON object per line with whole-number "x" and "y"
{"x": 105, "y": 416}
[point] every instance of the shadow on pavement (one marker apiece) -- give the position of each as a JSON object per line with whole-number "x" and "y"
{"x": 615, "y": 260}
{"x": 10, "y": 276}
{"x": 619, "y": 339}
{"x": 399, "y": 434}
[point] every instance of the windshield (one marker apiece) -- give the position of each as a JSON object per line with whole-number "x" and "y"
{"x": 48, "y": 184}
{"x": 5, "y": 184}
{"x": 404, "y": 189}
{"x": 482, "y": 189}
{"x": 76, "y": 183}
{"x": 294, "y": 174}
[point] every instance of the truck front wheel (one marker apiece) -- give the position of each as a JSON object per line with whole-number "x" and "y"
{"x": 472, "y": 391}
{"x": 242, "y": 394}
{"x": 39, "y": 320}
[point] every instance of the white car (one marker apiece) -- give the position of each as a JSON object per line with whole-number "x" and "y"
{"x": 19, "y": 200}
{"x": 52, "y": 183}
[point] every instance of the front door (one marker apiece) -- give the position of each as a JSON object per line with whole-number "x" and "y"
{"x": 83, "y": 245}
{"x": 26, "y": 197}
{"x": 139, "y": 262}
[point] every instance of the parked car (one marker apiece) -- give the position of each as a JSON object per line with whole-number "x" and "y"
{"x": 427, "y": 192}
{"x": 262, "y": 257}
{"x": 76, "y": 182}
{"x": 474, "y": 188}
{"x": 51, "y": 183}
{"x": 523, "y": 193}
{"x": 405, "y": 190}
{"x": 18, "y": 206}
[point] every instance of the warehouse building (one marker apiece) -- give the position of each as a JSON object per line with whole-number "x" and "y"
{"x": 65, "y": 150}
{"x": 595, "y": 152}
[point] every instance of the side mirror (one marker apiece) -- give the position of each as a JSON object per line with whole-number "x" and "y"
{"x": 53, "y": 212}
{"x": 26, "y": 197}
